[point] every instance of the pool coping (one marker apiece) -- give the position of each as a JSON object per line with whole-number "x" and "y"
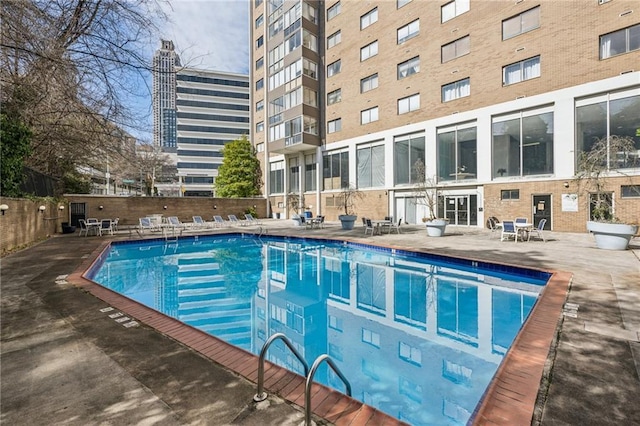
{"x": 510, "y": 397}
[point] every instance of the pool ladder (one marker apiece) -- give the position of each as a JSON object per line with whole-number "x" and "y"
{"x": 261, "y": 395}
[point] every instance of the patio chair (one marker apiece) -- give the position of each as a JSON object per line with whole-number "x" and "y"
{"x": 233, "y": 219}
{"x": 521, "y": 220}
{"x": 494, "y": 225}
{"x": 395, "y": 226}
{"x": 508, "y": 230}
{"x": 83, "y": 228}
{"x": 368, "y": 226}
{"x": 539, "y": 230}
{"x": 105, "y": 227}
{"x": 174, "y": 222}
{"x": 114, "y": 223}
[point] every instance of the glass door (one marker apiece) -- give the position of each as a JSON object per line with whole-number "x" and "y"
{"x": 461, "y": 209}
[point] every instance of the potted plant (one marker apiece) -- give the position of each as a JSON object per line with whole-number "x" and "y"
{"x": 427, "y": 195}
{"x": 348, "y": 197}
{"x": 593, "y": 167}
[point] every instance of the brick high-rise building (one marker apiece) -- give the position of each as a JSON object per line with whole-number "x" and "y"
{"x": 497, "y": 99}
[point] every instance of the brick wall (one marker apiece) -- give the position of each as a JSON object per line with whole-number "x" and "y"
{"x": 23, "y": 223}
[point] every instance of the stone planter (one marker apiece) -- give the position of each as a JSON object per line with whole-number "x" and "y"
{"x": 436, "y": 227}
{"x": 612, "y": 236}
{"x": 347, "y": 220}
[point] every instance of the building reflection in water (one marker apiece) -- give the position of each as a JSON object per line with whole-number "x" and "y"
{"x": 419, "y": 341}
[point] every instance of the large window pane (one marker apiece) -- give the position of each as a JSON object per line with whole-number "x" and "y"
{"x": 407, "y": 151}
{"x": 447, "y": 156}
{"x": 370, "y": 162}
{"x": 537, "y": 145}
{"x": 506, "y": 148}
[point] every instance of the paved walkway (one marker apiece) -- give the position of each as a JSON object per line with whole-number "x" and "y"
{"x": 65, "y": 361}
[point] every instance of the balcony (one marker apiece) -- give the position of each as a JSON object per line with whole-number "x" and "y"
{"x": 296, "y": 143}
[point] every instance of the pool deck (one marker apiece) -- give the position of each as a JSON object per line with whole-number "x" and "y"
{"x": 67, "y": 357}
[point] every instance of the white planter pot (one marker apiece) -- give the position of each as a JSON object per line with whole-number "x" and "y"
{"x": 612, "y": 236}
{"x": 436, "y": 227}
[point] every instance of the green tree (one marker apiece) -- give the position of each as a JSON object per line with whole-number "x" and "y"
{"x": 15, "y": 140}
{"x": 239, "y": 174}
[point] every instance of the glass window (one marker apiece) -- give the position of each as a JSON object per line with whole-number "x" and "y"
{"x": 259, "y": 41}
{"x": 309, "y": 40}
{"x": 260, "y": 84}
{"x": 260, "y": 127}
{"x": 334, "y": 125}
{"x": 335, "y": 170}
{"x": 613, "y": 114}
{"x": 369, "y": 83}
{"x": 294, "y": 175}
{"x": 455, "y": 90}
{"x": 369, "y": 115}
{"x": 334, "y": 97}
{"x": 408, "y": 31}
{"x": 522, "y": 23}
{"x": 521, "y": 71}
{"x": 368, "y": 51}
{"x": 457, "y": 158}
{"x": 408, "y": 104}
{"x": 260, "y": 63}
{"x": 310, "y": 172}
{"x": 406, "y": 151}
{"x": 410, "y": 67}
{"x": 310, "y": 13}
{"x": 310, "y": 68}
{"x": 259, "y": 21}
{"x": 630, "y": 191}
{"x": 369, "y": 18}
{"x": 401, "y": 3}
{"x": 453, "y": 9}
{"x": 619, "y": 42}
{"x": 370, "y": 163}
{"x": 260, "y": 105}
{"x": 523, "y": 145}
{"x": 334, "y": 39}
{"x": 510, "y": 194}
{"x": 276, "y": 177}
{"x": 333, "y": 11}
{"x": 334, "y": 68}
{"x": 455, "y": 49}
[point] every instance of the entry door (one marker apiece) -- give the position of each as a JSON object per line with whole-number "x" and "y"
{"x": 542, "y": 210}
{"x": 461, "y": 209}
{"x": 78, "y": 211}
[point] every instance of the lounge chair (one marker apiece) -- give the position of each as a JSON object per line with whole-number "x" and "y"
{"x": 174, "y": 222}
{"x": 199, "y": 222}
{"x": 219, "y": 221}
{"x": 252, "y": 220}
{"x": 508, "y": 230}
{"x": 235, "y": 221}
{"x": 539, "y": 230}
{"x": 146, "y": 224}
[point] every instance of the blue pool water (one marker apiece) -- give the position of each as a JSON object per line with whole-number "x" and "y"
{"x": 418, "y": 337}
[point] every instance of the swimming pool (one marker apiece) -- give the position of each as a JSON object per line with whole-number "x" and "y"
{"x": 419, "y": 337}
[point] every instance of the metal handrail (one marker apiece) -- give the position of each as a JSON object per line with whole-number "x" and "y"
{"x": 261, "y": 395}
{"x": 307, "y": 387}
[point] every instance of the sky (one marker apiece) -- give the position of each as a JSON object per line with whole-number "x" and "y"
{"x": 209, "y": 34}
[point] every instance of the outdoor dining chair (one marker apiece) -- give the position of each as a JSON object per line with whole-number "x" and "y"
{"x": 508, "y": 230}
{"x": 106, "y": 227}
{"x": 539, "y": 230}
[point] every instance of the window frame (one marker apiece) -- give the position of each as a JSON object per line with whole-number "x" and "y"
{"x": 522, "y": 71}
{"x": 410, "y": 101}
{"x": 333, "y": 11}
{"x": 370, "y": 78}
{"x": 410, "y": 67}
{"x": 369, "y": 115}
{"x": 366, "y": 19}
{"x": 627, "y": 41}
{"x": 509, "y": 194}
{"x": 455, "y": 44}
{"x": 410, "y": 34}
{"x": 334, "y": 68}
{"x": 456, "y": 83}
{"x": 334, "y": 125}
{"x": 338, "y": 93}
{"x": 457, "y": 10}
{"x": 369, "y": 50}
{"x": 334, "y": 39}
{"x": 520, "y": 17}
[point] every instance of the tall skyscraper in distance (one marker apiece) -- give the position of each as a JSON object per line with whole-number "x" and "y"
{"x": 165, "y": 61}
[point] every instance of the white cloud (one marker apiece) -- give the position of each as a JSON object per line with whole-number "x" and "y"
{"x": 209, "y": 34}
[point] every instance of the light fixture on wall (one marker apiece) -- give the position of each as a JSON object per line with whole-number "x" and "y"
{"x": 215, "y": 207}
{"x": 3, "y": 208}
{"x": 566, "y": 184}
{"x": 60, "y": 207}
{"x": 164, "y": 207}
{"x": 42, "y": 208}
{"x": 100, "y": 207}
